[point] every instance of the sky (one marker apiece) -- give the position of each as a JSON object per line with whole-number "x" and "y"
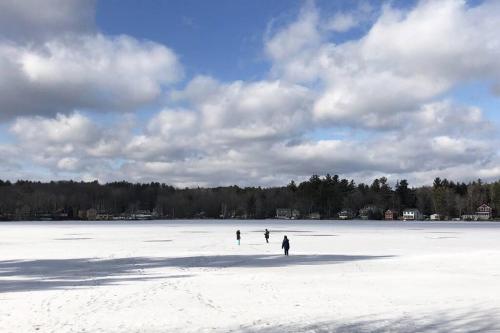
{"x": 252, "y": 93}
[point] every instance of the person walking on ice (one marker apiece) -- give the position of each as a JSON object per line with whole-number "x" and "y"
{"x": 238, "y": 236}
{"x": 266, "y": 235}
{"x": 285, "y": 245}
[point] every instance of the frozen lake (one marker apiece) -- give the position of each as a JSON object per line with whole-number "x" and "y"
{"x": 191, "y": 276}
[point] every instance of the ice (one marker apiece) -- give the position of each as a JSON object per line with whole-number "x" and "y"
{"x": 191, "y": 276}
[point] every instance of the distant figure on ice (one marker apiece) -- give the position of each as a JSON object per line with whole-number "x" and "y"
{"x": 285, "y": 245}
{"x": 238, "y": 236}
{"x": 266, "y": 235}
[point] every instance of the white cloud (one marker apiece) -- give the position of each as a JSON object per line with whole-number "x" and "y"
{"x": 63, "y": 129}
{"x": 178, "y": 147}
{"x": 33, "y": 20}
{"x": 406, "y": 59}
{"x": 242, "y": 111}
{"x": 386, "y": 90}
{"x": 292, "y": 48}
{"x": 360, "y": 14}
{"x": 342, "y": 22}
{"x": 88, "y": 71}
{"x": 296, "y": 37}
{"x": 68, "y": 164}
{"x": 169, "y": 135}
{"x": 53, "y": 60}
{"x": 71, "y": 144}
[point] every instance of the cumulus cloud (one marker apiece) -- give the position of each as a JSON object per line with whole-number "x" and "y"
{"x": 296, "y": 37}
{"x": 68, "y": 144}
{"x": 179, "y": 147}
{"x": 75, "y": 68}
{"x": 345, "y": 21}
{"x": 32, "y": 20}
{"x": 342, "y": 22}
{"x": 63, "y": 129}
{"x": 257, "y": 110}
{"x": 407, "y": 58}
{"x": 222, "y": 117}
{"x": 88, "y": 71}
{"x": 388, "y": 89}
{"x": 172, "y": 134}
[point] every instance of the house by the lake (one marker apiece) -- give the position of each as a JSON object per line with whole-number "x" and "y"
{"x": 435, "y": 217}
{"x": 314, "y": 216}
{"x": 287, "y": 214}
{"x": 411, "y": 214}
{"x": 484, "y": 212}
{"x": 103, "y": 216}
{"x": 91, "y": 214}
{"x": 370, "y": 212}
{"x": 346, "y": 214}
{"x": 147, "y": 215}
{"x": 391, "y": 214}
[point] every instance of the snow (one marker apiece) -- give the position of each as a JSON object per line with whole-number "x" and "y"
{"x": 191, "y": 276}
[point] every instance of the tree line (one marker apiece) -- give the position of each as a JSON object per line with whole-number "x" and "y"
{"x": 326, "y": 195}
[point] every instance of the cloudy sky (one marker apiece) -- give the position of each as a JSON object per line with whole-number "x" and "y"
{"x": 249, "y": 92}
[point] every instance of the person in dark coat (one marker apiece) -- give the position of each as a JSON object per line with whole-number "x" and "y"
{"x": 266, "y": 235}
{"x": 285, "y": 245}
{"x": 238, "y": 236}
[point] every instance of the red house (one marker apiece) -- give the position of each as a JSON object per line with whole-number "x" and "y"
{"x": 484, "y": 212}
{"x": 391, "y": 214}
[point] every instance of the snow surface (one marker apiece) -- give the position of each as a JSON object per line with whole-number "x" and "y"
{"x": 191, "y": 276}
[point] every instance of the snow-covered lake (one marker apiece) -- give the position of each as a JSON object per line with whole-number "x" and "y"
{"x": 191, "y": 276}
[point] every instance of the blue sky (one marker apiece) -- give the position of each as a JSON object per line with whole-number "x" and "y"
{"x": 479, "y": 93}
{"x": 225, "y": 39}
{"x": 249, "y": 92}
{"x": 222, "y": 38}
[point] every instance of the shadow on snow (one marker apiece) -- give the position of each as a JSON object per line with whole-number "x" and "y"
{"x": 24, "y": 275}
{"x": 452, "y": 320}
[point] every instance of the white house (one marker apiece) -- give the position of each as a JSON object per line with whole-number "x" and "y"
{"x": 411, "y": 214}
{"x": 345, "y": 214}
{"x": 435, "y": 217}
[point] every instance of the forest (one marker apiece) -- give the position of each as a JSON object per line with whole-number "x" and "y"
{"x": 325, "y": 196}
